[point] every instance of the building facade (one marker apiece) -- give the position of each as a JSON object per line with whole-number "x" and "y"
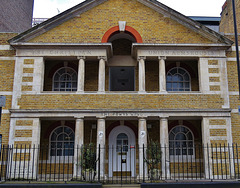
{"x": 122, "y": 75}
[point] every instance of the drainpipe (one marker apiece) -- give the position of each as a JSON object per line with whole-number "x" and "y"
{"x": 236, "y": 43}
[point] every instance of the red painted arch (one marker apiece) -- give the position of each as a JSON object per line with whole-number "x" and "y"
{"x": 114, "y": 29}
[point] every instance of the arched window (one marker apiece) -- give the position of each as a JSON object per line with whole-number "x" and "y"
{"x": 122, "y": 143}
{"x": 65, "y": 79}
{"x": 62, "y": 141}
{"x": 178, "y": 79}
{"x": 181, "y": 141}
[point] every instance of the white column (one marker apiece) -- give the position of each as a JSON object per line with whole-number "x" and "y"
{"x": 142, "y": 140}
{"x": 101, "y": 142}
{"x": 164, "y": 142}
{"x": 78, "y": 142}
{"x": 81, "y": 74}
{"x": 162, "y": 74}
{"x": 36, "y": 134}
{"x": 141, "y": 74}
{"x": 207, "y": 159}
{"x": 101, "y": 74}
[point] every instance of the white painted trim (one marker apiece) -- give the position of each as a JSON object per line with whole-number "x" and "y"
{"x": 217, "y": 126}
{"x": 7, "y": 58}
{"x": 213, "y": 66}
{"x": 28, "y": 66}
{"x": 6, "y": 93}
{"x": 231, "y": 59}
{"x": 214, "y": 74}
{"x": 27, "y": 83}
{"x": 5, "y": 112}
{"x": 23, "y": 128}
{"x": 214, "y": 83}
{"x": 5, "y": 47}
{"x": 233, "y": 48}
{"x": 233, "y": 93}
{"x": 218, "y": 138}
{"x": 27, "y": 74}
{"x": 23, "y": 138}
{"x": 234, "y": 111}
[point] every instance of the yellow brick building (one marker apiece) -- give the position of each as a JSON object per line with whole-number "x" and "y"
{"x": 122, "y": 74}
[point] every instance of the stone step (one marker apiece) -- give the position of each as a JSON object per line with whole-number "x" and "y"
{"x": 122, "y": 186}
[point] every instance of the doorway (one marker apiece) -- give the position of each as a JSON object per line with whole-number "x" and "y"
{"x": 122, "y": 152}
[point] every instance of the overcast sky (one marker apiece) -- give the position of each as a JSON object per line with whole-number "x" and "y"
{"x": 50, "y": 8}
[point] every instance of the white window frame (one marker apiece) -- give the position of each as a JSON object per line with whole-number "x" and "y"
{"x": 181, "y": 157}
{"x": 63, "y": 158}
{"x": 184, "y": 81}
{"x": 59, "y": 88}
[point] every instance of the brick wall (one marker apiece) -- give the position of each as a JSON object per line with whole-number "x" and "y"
{"x": 90, "y": 26}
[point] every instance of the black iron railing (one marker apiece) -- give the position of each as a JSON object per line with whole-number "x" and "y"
{"x": 129, "y": 164}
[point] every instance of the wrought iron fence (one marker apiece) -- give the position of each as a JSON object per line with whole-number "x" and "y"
{"x": 128, "y": 164}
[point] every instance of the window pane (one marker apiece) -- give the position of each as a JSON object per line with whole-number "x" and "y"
{"x": 171, "y": 136}
{"x": 169, "y": 78}
{"x": 190, "y": 152}
{"x": 180, "y": 78}
{"x": 61, "y": 137}
{"x": 189, "y": 135}
{"x": 181, "y": 71}
{"x": 180, "y": 136}
{"x": 54, "y": 137}
{"x": 175, "y": 86}
{"x": 59, "y": 152}
{"x": 174, "y": 71}
{"x": 175, "y": 78}
{"x": 169, "y": 86}
{"x": 186, "y": 77}
{"x": 178, "y": 152}
{"x": 53, "y": 152}
{"x": 184, "y": 152}
{"x": 180, "y": 85}
{"x": 67, "y": 130}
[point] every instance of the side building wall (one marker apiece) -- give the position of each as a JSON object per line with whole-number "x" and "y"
{"x": 7, "y": 67}
{"x": 227, "y": 27}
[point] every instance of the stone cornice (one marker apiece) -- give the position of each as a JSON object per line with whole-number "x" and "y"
{"x": 194, "y": 50}
{"x": 67, "y": 49}
{"x": 19, "y": 113}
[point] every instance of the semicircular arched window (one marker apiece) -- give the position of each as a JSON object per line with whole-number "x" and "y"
{"x": 62, "y": 141}
{"x": 122, "y": 143}
{"x": 178, "y": 79}
{"x": 181, "y": 141}
{"x": 65, "y": 79}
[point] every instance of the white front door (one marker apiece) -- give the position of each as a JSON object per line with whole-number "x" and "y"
{"x": 122, "y": 153}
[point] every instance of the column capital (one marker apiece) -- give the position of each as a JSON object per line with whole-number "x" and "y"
{"x": 81, "y": 57}
{"x": 101, "y": 117}
{"x": 163, "y": 118}
{"x": 142, "y": 117}
{"x": 141, "y": 58}
{"x": 162, "y": 57}
{"x": 78, "y": 117}
{"x": 102, "y": 57}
